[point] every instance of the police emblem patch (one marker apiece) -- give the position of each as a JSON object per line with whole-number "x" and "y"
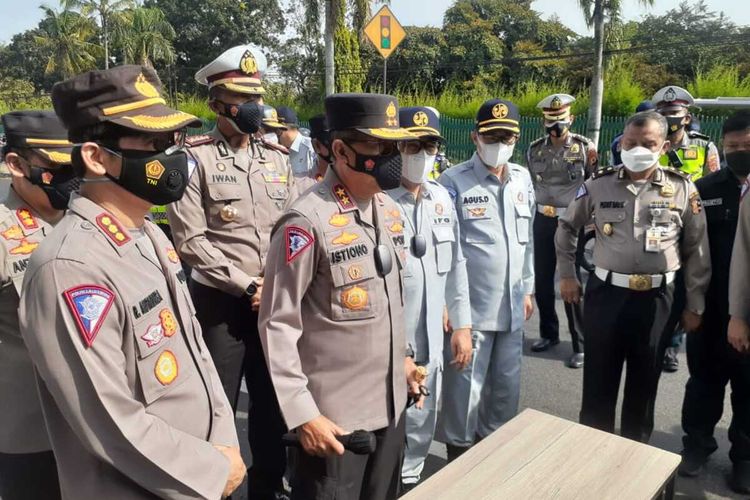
{"x": 420, "y": 119}
{"x": 26, "y": 219}
{"x": 172, "y": 256}
{"x": 89, "y": 305}
{"x": 248, "y": 64}
{"x": 500, "y": 110}
{"x": 168, "y": 322}
{"x": 297, "y": 241}
{"x": 166, "y": 368}
{"x": 582, "y": 191}
{"x": 354, "y": 298}
{"x": 153, "y": 336}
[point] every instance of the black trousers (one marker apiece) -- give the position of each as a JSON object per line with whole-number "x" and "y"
{"x": 623, "y": 326}
{"x": 230, "y": 329}
{"x": 350, "y": 476}
{"x": 713, "y": 363}
{"x": 27, "y": 476}
{"x": 545, "y": 263}
{"x": 673, "y": 328}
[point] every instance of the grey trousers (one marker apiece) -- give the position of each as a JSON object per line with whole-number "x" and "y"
{"x": 420, "y": 427}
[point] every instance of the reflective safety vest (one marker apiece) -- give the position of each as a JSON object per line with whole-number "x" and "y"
{"x": 159, "y": 215}
{"x": 693, "y": 160}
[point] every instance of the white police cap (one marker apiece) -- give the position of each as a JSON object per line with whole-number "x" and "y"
{"x": 672, "y": 96}
{"x": 239, "y": 69}
{"x": 556, "y": 102}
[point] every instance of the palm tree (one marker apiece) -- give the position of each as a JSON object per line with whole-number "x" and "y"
{"x": 595, "y": 13}
{"x": 144, "y": 35}
{"x": 66, "y": 37}
{"x": 105, "y": 9}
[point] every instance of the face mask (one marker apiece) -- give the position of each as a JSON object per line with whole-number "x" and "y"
{"x": 495, "y": 155}
{"x": 738, "y": 162}
{"x": 159, "y": 178}
{"x": 557, "y": 129}
{"x": 416, "y": 166}
{"x": 385, "y": 169}
{"x": 57, "y": 184}
{"x": 639, "y": 158}
{"x": 271, "y": 138}
{"x": 245, "y": 118}
{"x": 674, "y": 123}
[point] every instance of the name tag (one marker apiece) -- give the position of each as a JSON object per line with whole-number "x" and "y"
{"x": 713, "y": 203}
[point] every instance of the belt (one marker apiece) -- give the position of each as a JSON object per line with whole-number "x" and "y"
{"x": 550, "y": 211}
{"x": 637, "y": 282}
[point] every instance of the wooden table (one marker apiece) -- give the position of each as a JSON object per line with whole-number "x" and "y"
{"x": 537, "y": 456}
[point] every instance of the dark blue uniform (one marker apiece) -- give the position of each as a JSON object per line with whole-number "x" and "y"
{"x": 711, "y": 359}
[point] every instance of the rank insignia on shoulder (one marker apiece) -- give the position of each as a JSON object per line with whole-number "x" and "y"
{"x": 198, "y": 140}
{"x": 112, "y": 229}
{"x": 603, "y": 171}
{"x": 582, "y": 191}
{"x": 343, "y": 198}
{"x": 297, "y": 241}
{"x": 26, "y": 219}
{"x": 89, "y": 305}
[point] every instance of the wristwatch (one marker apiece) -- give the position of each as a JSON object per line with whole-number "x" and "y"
{"x": 252, "y": 289}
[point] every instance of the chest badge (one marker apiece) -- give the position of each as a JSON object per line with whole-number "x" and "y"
{"x": 166, "y": 368}
{"x": 607, "y": 229}
{"x": 667, "y": 190}
{"x": 229, "y": 213}
{"x": 13, "y": 233}
{"x": 438, "y": 209}
{"x": 354, "y": 298}
{"x": 339, "y": 220}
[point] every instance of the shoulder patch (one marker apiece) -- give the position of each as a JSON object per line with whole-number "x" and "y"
{"x": 697, "y": 135}
{"x": 198, "y": 140}
{"x": 89, "y": 305}
{"x": 297, "y": 241}
{"x": 536, "y": 142}
{"x": 582, "y": 191}
{"x": 603, "y": 171}
{"x": 677, "y": 172}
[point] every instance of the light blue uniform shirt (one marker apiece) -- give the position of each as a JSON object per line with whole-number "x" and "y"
{"x": 436, "y": 280}
{"x": 302, "y": 156}
{"x": 496, "y": 219}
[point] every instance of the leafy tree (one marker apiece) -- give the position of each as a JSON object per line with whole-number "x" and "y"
{"x": 68, "y": 39}
{"x": 144, "y": 36}
{"x": 300, "y": 57}
{"x": 105, "y": 10}
{"x": 24, "y": 59}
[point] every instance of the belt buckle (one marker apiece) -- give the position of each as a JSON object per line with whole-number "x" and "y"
{"x": 640, "y": 282}
{"x": 549, "y": 211}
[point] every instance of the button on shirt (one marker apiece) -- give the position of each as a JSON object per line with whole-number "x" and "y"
{"x": 496, "y": 217}
{"x": 302, "y": 156}
{"x": 438, "y": 278}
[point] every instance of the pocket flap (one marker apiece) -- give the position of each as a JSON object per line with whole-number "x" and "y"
{"x": 444, "y": 233}
{"x": 224, "y": 192}
{"x": 523, "y": 210}
{"x": 353, "y": 272}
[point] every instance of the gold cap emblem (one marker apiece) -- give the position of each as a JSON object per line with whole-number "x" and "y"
{"x": 144, "y": 87}
{"x": 248, "y": 65}
{"x": 500, "y": 110}
{"x": 421, "y": 119}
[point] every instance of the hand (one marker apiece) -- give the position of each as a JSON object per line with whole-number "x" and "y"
{"x": 738, "y": 334}
{"x": 237, "y": 469}
{"x": 413, "y": 381}
{"x": 318, "y": 437}
{"x": 528, "y": 307}
{"x": 461, "y": 348}
{"x": 691, "y": 321}
{"x": 447, "y": 328}
{"x": 255, "y": 299}
{"x": 570, "y": 289}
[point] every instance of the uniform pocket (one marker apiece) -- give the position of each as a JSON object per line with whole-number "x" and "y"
{"x": 351, "y": 296}
{"x": 523, "y": 219}
{"x": 444, "y": 239}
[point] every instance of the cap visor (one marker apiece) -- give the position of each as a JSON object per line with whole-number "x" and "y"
{"x": 156, "y": 118}
{"x": 488, "y": 128}
{"x": 270, "y": 124}
{"x": 391, "y": 134}
{"x": 61, "y": 156}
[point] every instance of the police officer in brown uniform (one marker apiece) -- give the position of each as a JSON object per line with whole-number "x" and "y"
{"x": 132, "y": 401}
{"x": 222, "y": 228}
{"x": 331, "y": 318}
{"x": 37, "y": 154}
{"x": 649, "y": 223}
{"x": 558, "y": 163}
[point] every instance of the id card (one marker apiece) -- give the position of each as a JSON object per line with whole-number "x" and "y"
{"x": 653, "y": 240}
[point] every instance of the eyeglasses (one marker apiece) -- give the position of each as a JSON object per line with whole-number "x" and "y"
{"x": 414, "y": 147}
{"x": 385, "y": 148}
{"x": 508, "y": 138}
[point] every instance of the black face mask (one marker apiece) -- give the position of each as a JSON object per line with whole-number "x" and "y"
{"x": 674, "y": 124}
{"x": 157, "y": 177}
{"x": 386, "y": 169}
{"x": 738, "y": 162}
{"x": 558, "y": 129}
{"x": 247, "y": 117}
{"x": 57, "y": 184}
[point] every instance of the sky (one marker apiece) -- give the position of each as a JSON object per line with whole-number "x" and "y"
{"x": 21, "y": 15}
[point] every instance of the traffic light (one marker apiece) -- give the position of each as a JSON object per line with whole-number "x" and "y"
{"x": 385, "y": 32}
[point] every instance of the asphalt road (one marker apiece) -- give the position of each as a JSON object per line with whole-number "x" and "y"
{"x": 549, "y": 386}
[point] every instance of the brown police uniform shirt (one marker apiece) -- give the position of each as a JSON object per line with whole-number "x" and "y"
{"x": 22, "y": 428}
{"x": 624, "y": 211}
{"x": 331, "y": 327}
{"x": 739, "y": 272}
{"x": 222, "y": 225}
{"x": 131, "y": 397}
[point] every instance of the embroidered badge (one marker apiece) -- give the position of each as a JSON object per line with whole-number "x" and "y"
{"x": 438, "y": 209}
{"x": 25, "y": 247}
{"x": 89, "y": 305}
{"x": 112, "y": 229}
{"x": 168, "y": 322}
{"x": 695, "y": 203}
{"x": 582, "y": 191}
{"x": 575, "y": 148}
{"x": 26, "y": 219}
{"x": 477, "y": 212}
{"x": 13, "y": 233}
{"x": 166, "y": 368}
{"x": 355, "y": 271}
{"x": 343, "y": 198}
{"x": 396, "y": 227}
{"x": 339, "y": 220}
{"x": 354, "y": 298}
{"x": 297, "y": 241}
{"x": 172, "y": 256}
{"x": 345, "y": 238}
{"x": 154, "y": 335}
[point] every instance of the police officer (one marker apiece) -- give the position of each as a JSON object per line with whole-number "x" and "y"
{"x": 694, "y": 154}
{"x": 615, "y": 148}
{"x": 132, "y": 401}
{"x": 301, "y": 152}
{"x": 649, "y": 223}
{"x": 558, "y": 163}
{"x": 320, "y": 139}
{"x": 331, "y": 318}
{"x": 37, "y": 154}
{"x": 270, "y": 128}
{"x": 494, "y": 201}
{"x": 222, "y": 228}
{"x": 727, "y": 363}
{"x": 434, "y": 277}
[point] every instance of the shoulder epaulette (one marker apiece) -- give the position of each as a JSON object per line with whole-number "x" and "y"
{"x": 677, "y": 172}
{"x": 536, "y": 142}
{"x": 274, "y": 147}
{"x": 198, "y": 140}
{"x": 697, "y": 135}
{"x": 581, "y": 138}
{"x": 604, "y": 171}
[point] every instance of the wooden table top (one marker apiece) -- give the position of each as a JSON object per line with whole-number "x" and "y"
{"x": 538, "y": 456}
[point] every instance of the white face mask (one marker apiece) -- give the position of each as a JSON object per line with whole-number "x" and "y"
{"x": 415, "y": 167}
{"x": 639, "y": 158}
{"x": 494, "y": 155}
{"x": 271, "y": 138}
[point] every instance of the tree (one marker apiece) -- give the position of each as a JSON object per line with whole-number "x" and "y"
{"x": 68, "y": 40}
{"x": 105, "y": 10}
{"x": 144, "y": 36}
{"x": 596, "y": 13}
{"x": 300, "y": 59}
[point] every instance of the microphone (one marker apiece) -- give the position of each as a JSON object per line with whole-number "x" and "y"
{"x": 358, "y": 442}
